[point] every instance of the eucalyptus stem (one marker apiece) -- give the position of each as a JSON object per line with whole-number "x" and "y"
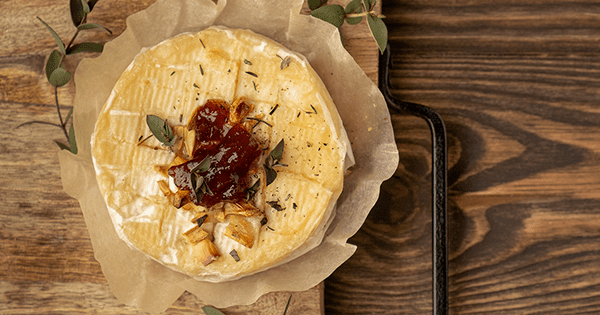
{"x": 62, "y": 124}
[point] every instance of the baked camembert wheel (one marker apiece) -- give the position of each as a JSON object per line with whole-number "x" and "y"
{"x": 253, "y": 162}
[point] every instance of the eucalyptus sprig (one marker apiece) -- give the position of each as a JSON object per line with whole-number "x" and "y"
{"x": 56, "y": 73}
{"x": 353, "y": 14}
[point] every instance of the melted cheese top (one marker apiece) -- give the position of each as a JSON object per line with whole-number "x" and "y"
{"x": 174, "y": 78}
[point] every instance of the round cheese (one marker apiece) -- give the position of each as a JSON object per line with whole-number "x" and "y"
{"x": 287, "y": 101}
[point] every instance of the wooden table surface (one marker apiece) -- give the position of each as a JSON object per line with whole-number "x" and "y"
{"x": 518, "y": 85}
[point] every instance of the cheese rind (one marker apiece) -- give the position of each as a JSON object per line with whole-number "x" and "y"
{"x": 171, "y": 80}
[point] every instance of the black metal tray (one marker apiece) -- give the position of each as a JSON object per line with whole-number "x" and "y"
{"x": 439, "y": 182}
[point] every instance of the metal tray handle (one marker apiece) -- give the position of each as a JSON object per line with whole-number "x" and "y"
{"x": 439, "y": 182}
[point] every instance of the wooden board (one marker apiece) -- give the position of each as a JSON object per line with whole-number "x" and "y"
{"x": 47, "y": 264}
{"x": 518, "y": 85}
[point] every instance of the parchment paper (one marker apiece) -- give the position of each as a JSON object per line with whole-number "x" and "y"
{"x": 141, "y": 282}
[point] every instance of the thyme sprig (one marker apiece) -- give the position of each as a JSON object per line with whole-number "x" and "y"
{"x": 273, "y": 160}
{"x": 56, "y": 73}
{"x": 161, "y": 130}
{"x": 353, "y": 14}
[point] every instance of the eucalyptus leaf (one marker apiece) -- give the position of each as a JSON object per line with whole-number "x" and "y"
{"x": 379, "y": 31}
{"x": 85, "y": 47}
{"x": 59, "y": 77}
{"x": 59, "y": 42}
{"x": 209, "y": 310}
{"x": 86, "y": 6}
{"x": 69, "y": 115}
{"x": 53, "y": 63}
{"x": 315, "y": 4}
{"x": 62, "y": 146}
{"x": 370, "y": 4}
{"x": 333, "y": 14}
{"x": 77, "y": 13}
{"x": 92, "y": 3}
{"x": 354, "y": 7}
{"x": 72, "y": 140}
{"x": 89, "y": 26}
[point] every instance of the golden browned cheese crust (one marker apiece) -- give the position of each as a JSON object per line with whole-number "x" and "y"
{"x": 171, "y": 80}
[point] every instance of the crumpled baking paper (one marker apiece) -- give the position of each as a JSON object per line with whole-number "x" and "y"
{"x": 139, "y": 281}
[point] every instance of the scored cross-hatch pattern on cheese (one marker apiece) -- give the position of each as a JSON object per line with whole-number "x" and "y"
{"x": 171, "y": 80}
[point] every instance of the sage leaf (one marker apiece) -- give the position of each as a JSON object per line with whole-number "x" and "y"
{"x": 85, "y": 47}
{"x": 354, "y": 7}
{"x": 315, "y": 4}
{"x": 378, "y": 31}
{"x": 59, "y": 77}
{"x": 72, "y": 140}
{"x": 333, "y": 14}
{"x": 62, "y": 146}
{"x": 89, "y": 26}
{"x": 53, "y": 63}
{"x": 77, "y": 13}
{"x": 209, "y": 310}
{"x": 59, "y": 42}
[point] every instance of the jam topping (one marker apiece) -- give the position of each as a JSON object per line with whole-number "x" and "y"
{"x": 222, "y": 156}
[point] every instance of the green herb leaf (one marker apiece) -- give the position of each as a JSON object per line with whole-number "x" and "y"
{"x": 333, "y": 14}
{"x": 285, "y": 62}
{"x": 270, "y": 174}
{"x": 370, "y": 4}
{"x": 85, "y": 47}
{"x": 354, "y": 7}
{"x": 92, "y": 3}
{"x": 315, "y": 4}
{"x": 275, "y": 205}
{"x": 86, "y": 7}
{"x": 234, "y": 255}
{"x": 72, "y": 140}
{"x": 209, "y": 310}
{"x": 69, "y": 115}
{"x": 246, "y": 61}
{"x": 62, "y": 146}
{"x": 59, "y": 42}
{"x": 77, "y": 14}
{"x": 89, "y": 26}
{"x": 59, "y": 77}
{"x": 53, "y": 63}
{"x": 250, "y": 192}
{"x": 277, "y": 152}
{"x": 379, "y": 31}
{"x": 160, "y": 129}
{"x": 203, "y": 166}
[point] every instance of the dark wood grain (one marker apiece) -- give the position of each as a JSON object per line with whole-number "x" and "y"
{"x": 518, "y": 85}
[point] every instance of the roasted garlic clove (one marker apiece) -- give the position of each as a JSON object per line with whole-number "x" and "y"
{"x": 195, "y": 235}
{"x": 240, "y": 230}
{"x": 180, "y": 198}
{"x": 208, "y": 252}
